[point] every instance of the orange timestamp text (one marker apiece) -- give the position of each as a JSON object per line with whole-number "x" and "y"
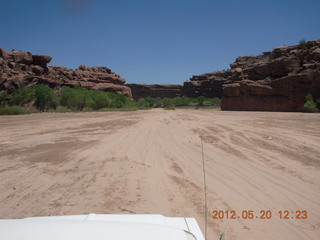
{"x": 262, "y": 214}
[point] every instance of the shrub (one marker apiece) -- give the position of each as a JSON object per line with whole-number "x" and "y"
{"x": 143, "y": 103}
{"x": 154, "y": 102}
{"x": 130, "y": 104}
{"x": 181, "y": 101}
{"x": 178, "y": 102}
{"x": 310, "y": 105}
{"x": 101, "y": 100}
{"x": 45, "y": 98}
{"x": 22, "y": 95}
{"x": 167, "y": 102}
{"x": 216, "y": 102}
{"x": 169, "y": 108}
{"x": 70, "y": 98}
{"x": 117, "y": 100}
{"x": 193, "y": 104}
{"x": 201, "y": 99}
{"x": 12, "y": 110}
{"x": 3, "y": 98}
{"x": 62, "y": 109}
{"x": 302, "y": 42}
{"x": 79, "y": 98}
{"x": 207, "y": 103}
{"x": 129, "y": 108}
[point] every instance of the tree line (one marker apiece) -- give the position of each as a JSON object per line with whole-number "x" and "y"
{"x": 43, "y": 98}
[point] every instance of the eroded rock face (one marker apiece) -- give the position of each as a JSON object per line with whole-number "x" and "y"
{"x": 208, "y": 85}
{"x": 18, "y": 68}
{"x": 275, "y": 81}
{"x": 155, "y": 90}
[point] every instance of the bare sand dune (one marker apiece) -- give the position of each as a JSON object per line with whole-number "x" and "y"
{"x": 150, "y": 162}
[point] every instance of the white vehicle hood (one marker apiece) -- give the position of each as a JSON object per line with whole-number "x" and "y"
{"x": 98, "y": 227}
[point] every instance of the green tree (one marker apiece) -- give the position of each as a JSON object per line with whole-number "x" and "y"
{"x": 143, "y": 103}
{"x": 201, "y": 99}
{"x": 181, "y": 101}
{"x": 168, "y": 102}
{"x": 177, "y": 101}
{"x": 101, "y": 100}
{"x": 185, "y": 101}
{"x": 310, "y": 105}
{"x": 216, "y": 102}
{"x": 12, "y": 110}
{"x": 76, "y": 98}
{"x": 117, "y": 100}
{"x": 22, "y": 95}
{"x": 45, "y": 98}
{"x": 154, "y": 102}
{"x": 3, "y": 98}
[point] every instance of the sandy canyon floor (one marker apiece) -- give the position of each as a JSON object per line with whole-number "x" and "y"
{"x": 149, "y": 162}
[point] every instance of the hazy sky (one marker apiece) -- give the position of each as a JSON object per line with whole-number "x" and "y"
{"x": 155, "y": 41}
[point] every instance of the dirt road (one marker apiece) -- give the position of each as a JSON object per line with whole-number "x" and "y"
{"x": 150, "y": 162}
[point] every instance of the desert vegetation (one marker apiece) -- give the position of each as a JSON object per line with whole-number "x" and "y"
{"x": 311, "y": 105}
{"x": 40, "y": 98}
{"x": 179, "y": 102}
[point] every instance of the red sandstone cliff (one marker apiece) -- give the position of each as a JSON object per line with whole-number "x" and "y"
{"x": 208, "y": 85}
{"x": 155, "y": 90}
{"x": 275, "y": 81}
{"x": 18, "y": 68}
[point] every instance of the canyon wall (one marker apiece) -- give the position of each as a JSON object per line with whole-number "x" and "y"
{"x": 208, "y": 85}
{"x": 275, "y": 81}
{"x": 19, "y": 68}
{"x": 155, "y": 90}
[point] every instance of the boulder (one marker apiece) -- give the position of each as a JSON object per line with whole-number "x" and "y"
{"x": 11, "y": 83}
{"x": 41, "y": 60}
{"x": 3, "y": 53}
{"x": 16, "y": 56}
